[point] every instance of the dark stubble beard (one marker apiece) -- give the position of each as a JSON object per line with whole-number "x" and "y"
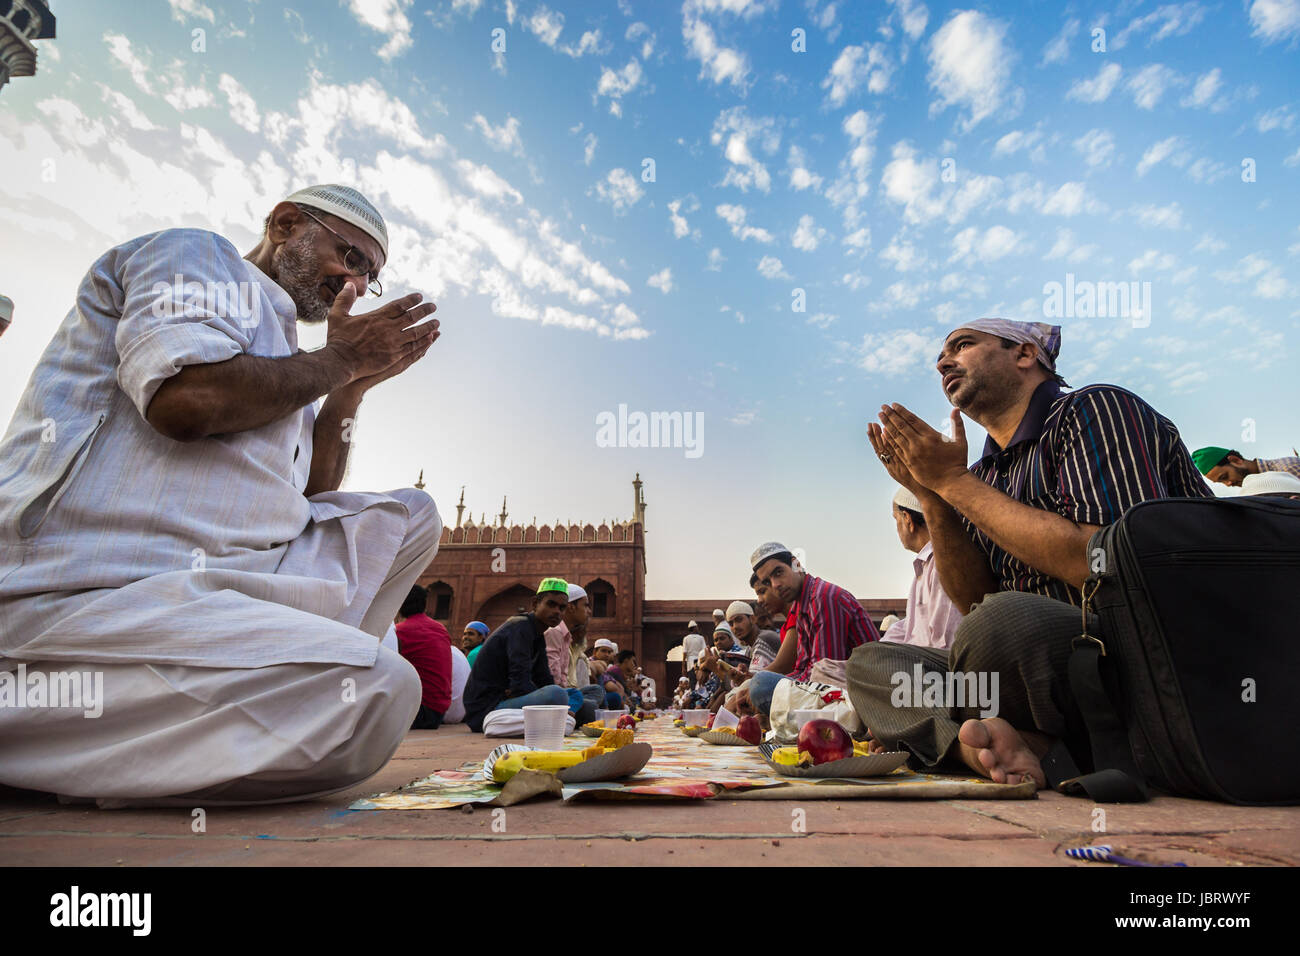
{"x": 298, "y": 272}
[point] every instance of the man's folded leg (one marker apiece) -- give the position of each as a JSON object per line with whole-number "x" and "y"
{"x": 928, "y": 733}
{"x": 172, "y": 735}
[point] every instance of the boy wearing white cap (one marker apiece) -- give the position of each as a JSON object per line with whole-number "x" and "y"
{"x": 181, "y": 530}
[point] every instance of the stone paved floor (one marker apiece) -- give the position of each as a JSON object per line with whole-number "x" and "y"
{"x": 36, "y": 830}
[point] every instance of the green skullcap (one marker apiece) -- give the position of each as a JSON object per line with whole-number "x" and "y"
{"x": 1207, "y": 458}
{"x": 554, "y": 584}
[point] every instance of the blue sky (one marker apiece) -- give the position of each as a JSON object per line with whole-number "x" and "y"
{"x": 913, "y": 166}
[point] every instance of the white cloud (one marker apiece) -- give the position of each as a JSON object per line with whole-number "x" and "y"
{"x": 735, "y": 217}
{"x": 1058, "y": 50}
{"x": 1269, "y": 282}
{"x": 661, "y": 280}
{"x": 1015, "y": 141}
{"x": 616, "y": 84}
{"x": 1157, "y": 153}
{"x": 1211, "y": 244}
{"x": 1068, "y": 249}
{"x": 1097, "y": 89}
{"x": 1293, "y": 159}
{"x": 1160, "y": 216}
{"x": 807, "y": 235}
{"x": 545, "y": 24}
{"x": 1152, "y": 261}
{"x": 620, "y": 189}
{"x": 854, "y": 67}
{"x": 903, "y": 256}
{"x": 770, "y": 267}
{"x": 734, "y": 130}
{"x": 1170, "y": 19}
{"x": 1204, "y": 91}
{"x": 859, "y": 240}
{"x": 801, "y": 177}
{"x": 504, "y": 138}
{"x": 899, "y": 352}
{"x": 1274, "y": 20}
{"x": 1069, "y": 200}
{"x": 243, "y": 109}
{"x": 1150, "y": 83}
{"x": 1280, "y": 117}
{"x": 716, "y": 259}
{"x": 124, "y": 107}
{"x": 640, "y": 31}
{"x": 588, "y": 148}
{"x": 193, "y": 8}
{"x": 1206, "y": 170}
{"x": 854, "y": 280}
{"x": 970, "y": 66}
{"x": 995, "y": 243}
{"x": 681, "y": 228}
{"x": 719, "y": 64}
{"x": 852, "y": 185}
{"x": 914, "y": 16}
{"x": 1097, "y": 146}
{"x": 916, "y": 185}
{"x": 388, "y": 17}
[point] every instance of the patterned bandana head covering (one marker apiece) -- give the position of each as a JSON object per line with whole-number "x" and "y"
{"x": 1046, "y": 337}
{"x": 1209, "y": 457}
{"x": 477, "y": 626}
{"x": 554, "y": 584}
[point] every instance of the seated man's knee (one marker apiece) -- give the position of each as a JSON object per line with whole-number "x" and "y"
{"x": 979, "y": 642}
{"x": 554, "y": 694}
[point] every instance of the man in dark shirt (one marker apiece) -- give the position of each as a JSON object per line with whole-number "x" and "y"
{"x": 427, "y": 645}
{"x": 1011, "y": 539}
{"x": 511, "y": 670}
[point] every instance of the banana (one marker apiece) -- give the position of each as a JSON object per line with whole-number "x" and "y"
{"x": 791, "y": 757}
{"x": 549, "y": 761}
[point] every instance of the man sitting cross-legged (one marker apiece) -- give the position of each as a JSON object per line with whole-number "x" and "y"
{"x": 931, "y": 618}
{"x": 566, "y": 652}
{"x": 1011, "y": 544}
{"x": 511, "y": 671}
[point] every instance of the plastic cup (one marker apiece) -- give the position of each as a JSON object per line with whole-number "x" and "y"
{"x": 544, "y": 726}
{"x": 696, "y": 718}
{"x": 802, "y": 717}
{"x": 610, "y": 717}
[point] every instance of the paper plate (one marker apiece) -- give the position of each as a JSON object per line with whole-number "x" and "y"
{"x": 501, "y": 751}
{"x": 725, "y": 740}
{"x": 691, "y": 731}
{"x": 870, "y": 765}
{"x": 623, "y": 762}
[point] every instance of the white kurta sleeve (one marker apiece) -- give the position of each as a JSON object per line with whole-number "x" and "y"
{"x": 186, "y": 301}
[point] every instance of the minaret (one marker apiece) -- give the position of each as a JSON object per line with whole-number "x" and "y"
{"x": 638, "y": 502}
{"x": 460, "y": 507}
{"x": 504, "y": 514}
{"x": 22, "y": 22}
{"x": 419, "y": 482}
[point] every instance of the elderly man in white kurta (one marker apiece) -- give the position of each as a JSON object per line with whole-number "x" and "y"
{"x": 169, "y": 517}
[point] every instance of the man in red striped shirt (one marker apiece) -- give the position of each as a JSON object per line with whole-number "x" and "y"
{"x": 828, "y": 623}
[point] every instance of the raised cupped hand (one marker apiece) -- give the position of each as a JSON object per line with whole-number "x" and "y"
{"x": 377, "y": 345}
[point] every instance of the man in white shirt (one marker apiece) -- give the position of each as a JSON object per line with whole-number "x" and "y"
{"x": 693, "y": 645}
{"x": 931, "y": 619}
{"x": 459, "y": 676}
{"x": 170, "y": 520}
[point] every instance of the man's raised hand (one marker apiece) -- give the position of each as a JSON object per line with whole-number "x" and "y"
{"x": 378, "y": 345}
{"x": 928, "y": 456}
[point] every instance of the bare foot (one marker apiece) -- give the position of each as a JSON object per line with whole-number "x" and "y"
{"x": 995, "y": 749}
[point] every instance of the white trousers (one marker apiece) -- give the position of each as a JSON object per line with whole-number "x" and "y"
{"x": 178, "y": 735}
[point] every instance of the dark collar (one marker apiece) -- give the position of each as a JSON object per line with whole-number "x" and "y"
{"x": 1031, "y": 425}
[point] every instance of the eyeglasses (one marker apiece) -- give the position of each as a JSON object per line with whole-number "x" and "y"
{"x": 354, "y": 260}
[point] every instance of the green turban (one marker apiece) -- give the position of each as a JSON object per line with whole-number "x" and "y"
{"x": 1207, "y": 458}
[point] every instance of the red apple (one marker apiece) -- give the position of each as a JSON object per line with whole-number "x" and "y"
{"x": 749, "y": 730}
{"x": 627, "y": 721}
{"x": 824, "y": 741}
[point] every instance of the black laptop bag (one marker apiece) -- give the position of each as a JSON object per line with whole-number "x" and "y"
{"x": 1192, "y": 685}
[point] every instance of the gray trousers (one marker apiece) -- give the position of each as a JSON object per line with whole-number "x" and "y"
{"x": 1025, "y": 639}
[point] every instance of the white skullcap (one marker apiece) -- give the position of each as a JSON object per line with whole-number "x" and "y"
{"x": 724, "y": 626}
{"x": 765, "y": 551}
{"x": 1270, "y": 483}
{"x": 349, "y": 205}
{"x": 904, "y": 499}
{"x": 717, "y": 612}
{"x": 692, "y": 624}
{"x": 739, "y": 607}
{"x": 576, "y": 593}
{"x": 606, "y": 642}
{"x": 888, "y": 621}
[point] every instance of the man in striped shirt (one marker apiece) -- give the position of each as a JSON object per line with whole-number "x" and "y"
{"x": 829, "y": 623}
{"x": 1011, "y": 539}
{"x": 1228, "y": 467}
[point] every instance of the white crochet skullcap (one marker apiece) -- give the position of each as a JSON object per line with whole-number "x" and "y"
{"x": 349, "y": 205}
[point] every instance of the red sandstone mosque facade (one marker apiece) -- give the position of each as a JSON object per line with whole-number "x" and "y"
{"x": 488, "y": 571}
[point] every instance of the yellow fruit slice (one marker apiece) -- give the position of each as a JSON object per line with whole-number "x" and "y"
{"x": 549, "y": 761}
